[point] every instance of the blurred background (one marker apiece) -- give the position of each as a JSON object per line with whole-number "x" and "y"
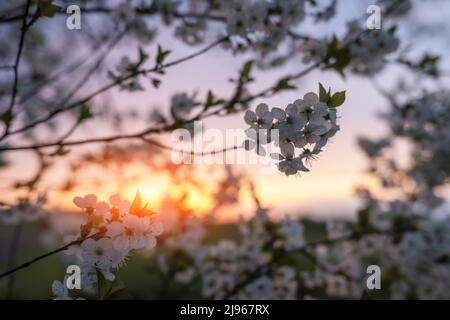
{"x": 125, "y": 167}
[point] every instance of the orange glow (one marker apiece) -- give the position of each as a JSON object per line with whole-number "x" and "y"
{"x": 155, "y": 188}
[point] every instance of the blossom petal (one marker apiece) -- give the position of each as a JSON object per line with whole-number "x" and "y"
{"x": 287, "y": 149}
{"x": 101, "y": 207}
{"x": 115, "y": 228}
{"x": 278, "y": 114}
{"x": 277, "y": 156}
{"x": 121, "y": 243}
{"x": 115, "y": 200}
{"x": 79, "y": 202}
{"x": 311, "y": 98}
{"x": 250, "y": 117}
{"x": 262, "y": 109}
{"x": 291, "y": 109}
{"x": 157, "y": 228}
{"x": 150, "y": 242}
{"x": 90, "y": 200}
{"x": 124, "y": 206}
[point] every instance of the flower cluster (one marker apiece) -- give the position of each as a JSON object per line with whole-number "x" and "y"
{"x": 245, "y": 268}
{"x": 414, "y": 262}
{"x": 134, "y": 24}
{"x": 423, "y": 122}
{"x": 181, "y": 105}
{"x": 368, "y": 51}
{"x": 305, "y": 124}
{"x": 110, "y": 232}
{"x": 127, "y": 72}
{"x": 261, "y": 23}
{"x": 244, "y": 17}
{"x": 313, "y": 50}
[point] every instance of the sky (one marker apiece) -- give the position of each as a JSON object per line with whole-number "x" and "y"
{"x": 328, "y": 189}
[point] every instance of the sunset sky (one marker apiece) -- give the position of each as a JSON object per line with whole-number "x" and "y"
{"x": 325, "y": 191}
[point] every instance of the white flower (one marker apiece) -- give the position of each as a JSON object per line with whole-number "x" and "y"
{"x": 368, "y": 53}
{"x": 292, "y": 232}
{"x": 119, "y": 206}
{"x": 155, "y": 229}
{"x": 288, "y": 164}
{"x": 257, "y": 139}
{"x": 312, "y": 108}
{"x": 305, "y": 121}
{"x": 290, "y": 122}
{"x": 125, "y": 69}
{"x": 257, "y": 16}
{"x": 260, "y": 289}
{"x": 285, "y": 284}
{"x": 292, "y": 11}
{"x": 312, "y": 133}
{"x": 181, "y": 105}
{"x": 99, "y": 252}
{"x": 129, "y": 233}
{"x": 123, "y": 12}
{"x": 313, "y": 50}
{"x": 60, "y": 291}
{"x": 73, "y": 250}
{"x": 90, "y": 205}
{"x": 237, "y": 24}
{"x": 261, "y": 119}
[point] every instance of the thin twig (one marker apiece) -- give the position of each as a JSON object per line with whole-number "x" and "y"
{"x": 113, "y": 84}
{"x": 48, "y": 254}
{"x": 24, "y": 28}
{"x": 188, "y": 152}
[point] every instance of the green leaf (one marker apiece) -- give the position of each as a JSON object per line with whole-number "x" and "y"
{"x": 110, "y": 289}
{"x": 85, "y": 112}
{"x": 50, "y": 10}
{"x": 7, "y": 118}
{"x": 136, "y": 205}
{"x": 283, "y": 84}
{"x": 156, "y": 82}
{"x": 143, "y": 56}
{"x": 103, "y": 286}
{"x": 47, "y": 8}
{"x": 161, "y": 55}
{"x": 324, "y": 96}
{"x": 337, "y": 57}
{"x": 245, "y": 71}
{"x": 392, "y": 30}
{"x": 117, "y": 290}
{"x": 62, "y": 151}
{"x": 211, "y": 100}
{"x": 337, "y": 99}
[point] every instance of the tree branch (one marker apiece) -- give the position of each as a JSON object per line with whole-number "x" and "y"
{"x": 46, "y": 255}
{"x": 156, "y": 68}
{"x": 9, "y": 110}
